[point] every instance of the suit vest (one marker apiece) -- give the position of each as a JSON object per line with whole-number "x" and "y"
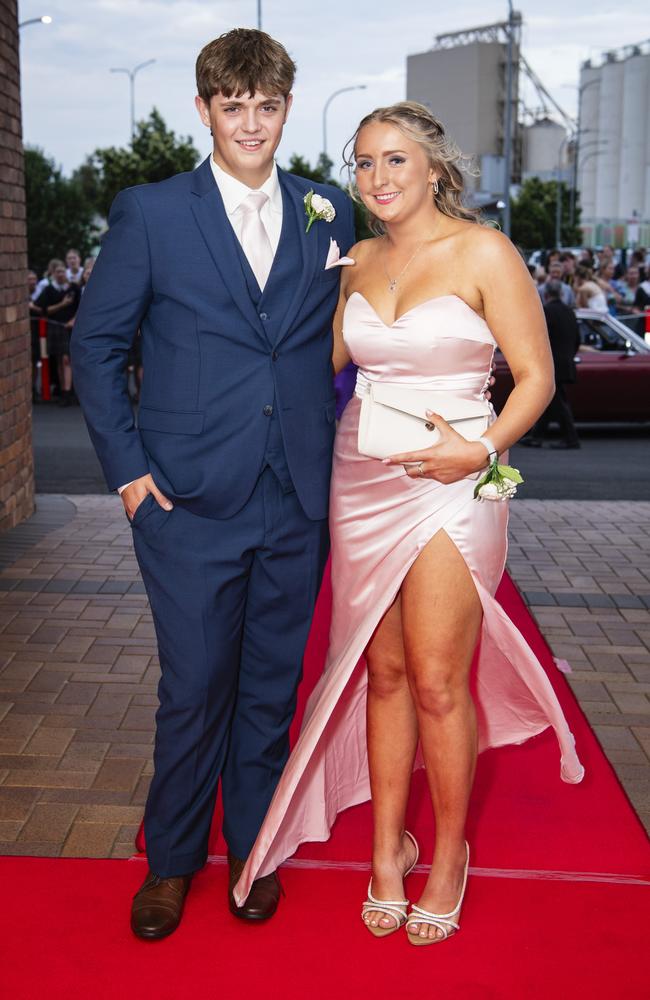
{"x": 286, "y": 265}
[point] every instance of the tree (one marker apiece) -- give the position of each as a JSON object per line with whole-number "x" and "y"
{"x": 320, "y": 173}
{"x": 59, "y": 215}
{"x": 155, "y": 154}
{"x": 534, "y": 214}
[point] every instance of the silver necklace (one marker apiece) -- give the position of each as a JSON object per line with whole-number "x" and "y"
{"x": 392, "y": 282}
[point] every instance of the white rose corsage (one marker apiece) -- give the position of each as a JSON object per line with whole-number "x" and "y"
{"x": 500, "y": 482}
{"x": 317, "y": 208}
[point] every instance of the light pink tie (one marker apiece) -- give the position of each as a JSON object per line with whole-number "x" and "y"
{"x": 254, "y": 237}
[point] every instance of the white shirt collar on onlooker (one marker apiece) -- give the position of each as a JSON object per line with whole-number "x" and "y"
{"x": 234, "y": 192}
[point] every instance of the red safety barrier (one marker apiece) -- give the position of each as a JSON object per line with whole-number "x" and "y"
{"x": 647, "y": 321}
{"x": 45, "y": 360}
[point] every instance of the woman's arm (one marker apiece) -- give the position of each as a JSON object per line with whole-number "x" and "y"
{"x": 66, "y": 301}
{"x": 340, "y": 355}
{"x": 514, "y": 313}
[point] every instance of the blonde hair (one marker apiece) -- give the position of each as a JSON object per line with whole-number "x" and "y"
{"x": 416, "y": 122}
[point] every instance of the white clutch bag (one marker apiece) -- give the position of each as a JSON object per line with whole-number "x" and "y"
{"x": 393, "y": 419}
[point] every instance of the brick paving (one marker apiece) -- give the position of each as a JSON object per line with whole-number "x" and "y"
{"x": 78, "y": 665}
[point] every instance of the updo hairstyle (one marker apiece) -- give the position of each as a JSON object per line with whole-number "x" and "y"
{"x": 416, "y": 122}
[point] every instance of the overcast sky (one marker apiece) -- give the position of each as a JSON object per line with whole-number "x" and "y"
{"x": 72, "y": 103}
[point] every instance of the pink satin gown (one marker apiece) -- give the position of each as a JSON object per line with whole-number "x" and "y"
{"x": 380, "y": 521}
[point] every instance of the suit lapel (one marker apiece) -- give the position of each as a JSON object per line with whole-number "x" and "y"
{"x": 211, "y": 218}
{"x": 293, "y": 200}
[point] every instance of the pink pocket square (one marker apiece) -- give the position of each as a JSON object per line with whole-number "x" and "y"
{"x": 334, "y": 258}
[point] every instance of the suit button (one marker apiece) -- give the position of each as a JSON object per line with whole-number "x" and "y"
{"x": 268, "y": 411}
{"x": 264, "y": 316}
{"x": 274, "y": 356}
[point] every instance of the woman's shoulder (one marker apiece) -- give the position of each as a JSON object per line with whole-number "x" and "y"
{"x": 485, "y": 246}
{"x": 482, "y": 236}
{"x": 362, "y": 249}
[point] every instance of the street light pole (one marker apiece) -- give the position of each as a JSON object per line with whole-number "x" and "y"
{"x": 259, "y": 15}
{"x": 576, "y": 151}
{"x": 558, "y": 191}
{"x": 507, "y": 146}
{"x": 343, "y": 90}
{"x": 45, "y": 19}
{"x": 131, "y": 73}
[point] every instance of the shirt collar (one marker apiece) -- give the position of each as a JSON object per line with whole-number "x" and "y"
{"x": 234, "y": 192}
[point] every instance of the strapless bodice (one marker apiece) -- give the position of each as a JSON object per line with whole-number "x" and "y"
{"x": 439, "y": 344}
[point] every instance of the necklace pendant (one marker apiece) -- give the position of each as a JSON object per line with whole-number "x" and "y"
{"x": 392, "y": 284}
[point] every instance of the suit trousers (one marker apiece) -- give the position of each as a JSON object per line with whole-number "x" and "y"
{"x": 558, "y": 410}
{"x": 232, "y": 603}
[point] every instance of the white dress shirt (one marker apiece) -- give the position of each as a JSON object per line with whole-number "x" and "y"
{"x": 233, "y": 193}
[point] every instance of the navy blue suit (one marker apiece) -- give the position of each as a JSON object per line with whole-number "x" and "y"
{"x": 236, "y": 425}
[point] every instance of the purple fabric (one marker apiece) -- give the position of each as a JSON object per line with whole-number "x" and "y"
{"x": 344, "y": 384}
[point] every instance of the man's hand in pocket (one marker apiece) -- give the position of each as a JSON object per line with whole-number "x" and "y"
{"x": 133, "y": 495}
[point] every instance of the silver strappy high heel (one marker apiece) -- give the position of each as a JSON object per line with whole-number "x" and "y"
{"x": 445, "y": 922}
{"x": 395, "y": 908}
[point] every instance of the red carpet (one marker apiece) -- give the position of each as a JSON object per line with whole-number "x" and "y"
{"x": 521, "y": 940}
{"x": 557, "y": 905}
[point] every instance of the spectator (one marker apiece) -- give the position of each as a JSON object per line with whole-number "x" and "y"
{"x": 642, "y": 297}
{"x": 555, "y": 274}
{"x": 32, "y": 284}
{"x": 34, "y": 316}
{"x": 628, "y": 288}
{"x": 564, "y": 336}
{"x": 568, "y": 262}
{"x": 638, "y": 258}
{"x": 589, "y": 294}
{"x": 88, "y": 269}
{"x": 47, "y": 277}
{"x": 74, "y": 269}
{"x": 89, "y": 262}
{"x": 59, "y": 302}
{"x": 550, "y": 256}
{"x": 604, "y": 257}
{"x": 610, "y": 285}
{"x": 586, "y": 258}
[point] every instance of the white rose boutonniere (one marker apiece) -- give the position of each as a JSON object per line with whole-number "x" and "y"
{"x": 317, "y": 208}
{"x": 500, "y": 482}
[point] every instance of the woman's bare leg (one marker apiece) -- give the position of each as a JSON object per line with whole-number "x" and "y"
{"x": 66, "y": 373}
{"x": 392, "y": 742}
{"x": 441, "y": 617}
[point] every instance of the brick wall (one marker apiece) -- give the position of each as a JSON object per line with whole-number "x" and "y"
{"x": 16, "y": 467}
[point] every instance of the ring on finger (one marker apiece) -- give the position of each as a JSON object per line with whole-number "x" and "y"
{"x": 420, "y": 469}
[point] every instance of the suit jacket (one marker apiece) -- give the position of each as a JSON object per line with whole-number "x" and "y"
{"x": 217, "y": 363}
{"x": 564, "y": 335}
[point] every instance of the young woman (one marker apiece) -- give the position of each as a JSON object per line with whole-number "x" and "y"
{"x": 59, "y": 302}
{"x": 415, "y": 559}
{"x": 589, "y": 292}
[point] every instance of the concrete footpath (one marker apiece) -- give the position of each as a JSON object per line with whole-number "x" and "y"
{"x": 78, "y": 665}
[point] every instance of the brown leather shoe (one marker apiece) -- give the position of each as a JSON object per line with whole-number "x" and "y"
{"x": 158, "y": 906}
{"x": 263, "y": 899}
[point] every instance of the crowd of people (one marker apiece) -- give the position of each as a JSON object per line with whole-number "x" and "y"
{"x": 55, "y": 298}
{"x": 597, "y": 279}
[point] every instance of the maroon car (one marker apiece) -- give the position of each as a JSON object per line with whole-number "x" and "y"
{"x": 613, "y": 381}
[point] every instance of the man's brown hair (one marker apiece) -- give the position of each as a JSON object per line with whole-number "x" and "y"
{"x": 244, "y": 61}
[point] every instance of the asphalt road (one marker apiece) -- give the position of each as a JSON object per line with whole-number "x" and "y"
{"x": 613, "y": 463}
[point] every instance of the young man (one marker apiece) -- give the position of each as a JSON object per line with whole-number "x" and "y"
{"x": 225, "y": 479}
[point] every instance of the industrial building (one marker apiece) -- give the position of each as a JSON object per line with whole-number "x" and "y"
{"x": 463, "y": 80}
{"x": 613, "y": 160}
